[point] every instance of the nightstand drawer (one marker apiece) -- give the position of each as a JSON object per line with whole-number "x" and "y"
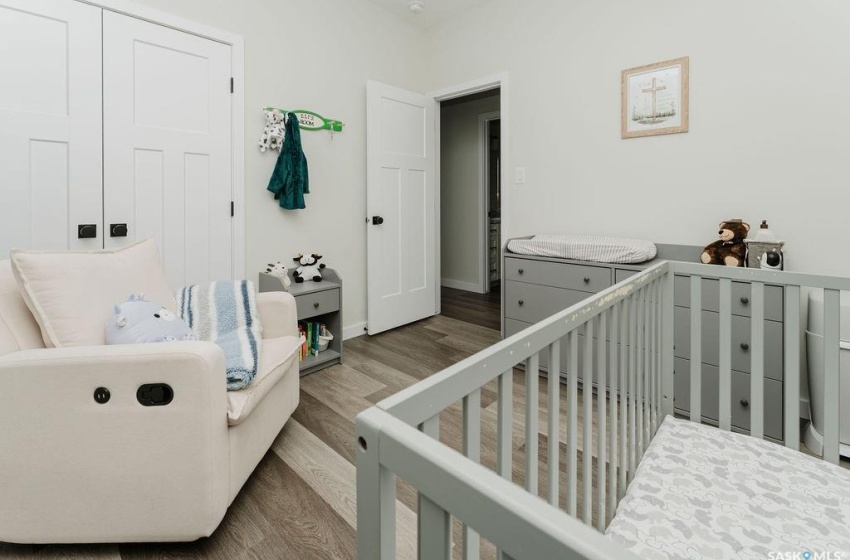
{"x": 317, "y": 303}
{"x": 559, "y": 275}
{"x": 532, "y": 303}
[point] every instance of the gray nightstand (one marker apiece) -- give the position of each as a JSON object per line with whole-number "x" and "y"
{"x": 316, "y": 301}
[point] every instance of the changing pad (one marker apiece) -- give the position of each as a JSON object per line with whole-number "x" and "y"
{"x": 701, "y": 492}
{"x": 595, "y": 248}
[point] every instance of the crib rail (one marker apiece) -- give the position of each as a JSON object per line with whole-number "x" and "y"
{"x": 483, "y": 470}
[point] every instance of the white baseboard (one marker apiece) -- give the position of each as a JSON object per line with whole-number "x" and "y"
{"x": 458, "y": 285}
{"x": 354, "y": 330}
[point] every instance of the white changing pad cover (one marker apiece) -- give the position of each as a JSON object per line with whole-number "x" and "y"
{"x": 700, "y": 492}
{"x": 595, "y": 248}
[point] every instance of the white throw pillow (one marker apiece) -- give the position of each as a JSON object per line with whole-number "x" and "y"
{"x": 72, "y": 293}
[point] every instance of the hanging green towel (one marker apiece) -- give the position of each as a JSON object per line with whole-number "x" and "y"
{"x": 289, "y": 179}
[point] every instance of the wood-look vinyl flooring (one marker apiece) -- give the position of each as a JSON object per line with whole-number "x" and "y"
{"x": 300, "y": 502}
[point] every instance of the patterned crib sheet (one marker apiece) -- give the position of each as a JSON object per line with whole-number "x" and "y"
{"x": 702, "y": 493}
{"x": 594, "y": 248}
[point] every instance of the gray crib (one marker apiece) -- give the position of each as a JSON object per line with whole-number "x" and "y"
{"x": 400, "y": 437}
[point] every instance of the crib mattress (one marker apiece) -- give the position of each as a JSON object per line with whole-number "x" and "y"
{"x": 595, "y": 248}
{"x": 701, "y": 492}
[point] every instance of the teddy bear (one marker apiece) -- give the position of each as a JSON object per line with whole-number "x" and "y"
{"x": 309, "y": 268}
{"x": 272, "y": 136}
{"x": 138, "y": 320}
{"x": 730, "y": 249}
{"x": 279, "y": 270}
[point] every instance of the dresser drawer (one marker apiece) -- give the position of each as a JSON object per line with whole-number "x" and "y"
{"x": 741, "y": 297}
{"x": 559, "y": 275}
{"x": 621, "y": 274}
{"x": 532, "y": 303}
{"x": 741, "y": 341}
{"x": 740, "y": 397}
{"x": 317, "y": 303}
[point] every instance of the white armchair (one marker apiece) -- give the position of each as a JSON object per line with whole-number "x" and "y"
{"x": 75, "y": 470}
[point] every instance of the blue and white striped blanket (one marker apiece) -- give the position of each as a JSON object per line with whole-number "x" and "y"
{"x": 226, "y": 313}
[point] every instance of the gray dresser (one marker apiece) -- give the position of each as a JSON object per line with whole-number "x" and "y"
{"x": 537, "y": 287}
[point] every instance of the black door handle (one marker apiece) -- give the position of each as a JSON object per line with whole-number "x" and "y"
{"x": 745, "y": 346}
{"x": 117, "y": 230}
{"x": 377, "y": 220}
{"x": 745, "y": 403}
{"x": 745, "y": 300}
{"x": 86, "y": 231}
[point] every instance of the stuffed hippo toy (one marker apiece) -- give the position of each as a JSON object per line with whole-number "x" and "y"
{"x": 279, "y": 270}
{"x": 137, "y": 320}
{"x": 309, "y": 269}
{"x": 272, "y": 137}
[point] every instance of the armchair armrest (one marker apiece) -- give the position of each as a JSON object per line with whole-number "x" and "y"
{"x": 78, "y": 463}
{"x": 278, "y": 314}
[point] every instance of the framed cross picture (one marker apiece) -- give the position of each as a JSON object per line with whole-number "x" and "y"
{"x": 655, "y": 99}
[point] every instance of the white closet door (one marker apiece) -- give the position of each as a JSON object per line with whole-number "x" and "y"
{"x": 50, "y": 124}
{"x": 167, "y": 157}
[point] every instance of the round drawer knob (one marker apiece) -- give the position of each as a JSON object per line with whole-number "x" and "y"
{"x": 316, "y": 305}
{"x": 586, "y": 280}
{"x": 745, "y": 346}
{"x": 745, "y": 403}
{"x": 745, "y": 300}
{"x": 521, "y": 302}
{"x": 520, "y": 271}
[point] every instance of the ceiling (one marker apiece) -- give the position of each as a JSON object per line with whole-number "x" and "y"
{"x": 435, "y": 11}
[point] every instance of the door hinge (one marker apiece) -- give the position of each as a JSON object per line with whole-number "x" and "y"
{"x": 232, "y": 208}
{"x": 231, "y": 85}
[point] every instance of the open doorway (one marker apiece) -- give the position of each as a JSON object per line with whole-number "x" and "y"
{"x": 470, "y": 207}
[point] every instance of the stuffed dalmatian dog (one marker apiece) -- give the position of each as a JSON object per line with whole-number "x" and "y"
{"x": 309, "y": 268}
{"x": 279, "y": 270}
{"x": 272, "y": 137}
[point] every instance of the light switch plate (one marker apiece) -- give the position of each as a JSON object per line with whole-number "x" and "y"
{"x": 520, "y": 175}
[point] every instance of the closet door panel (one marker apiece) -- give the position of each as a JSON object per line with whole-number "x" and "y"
{"x": 167, "y": 134}
{"x": 50, "y": 124}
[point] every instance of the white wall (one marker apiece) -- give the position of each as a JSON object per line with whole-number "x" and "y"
{"x": 768, "y": 121}
{"x": 461, "y": 252}
{"x": 292, "y": 65}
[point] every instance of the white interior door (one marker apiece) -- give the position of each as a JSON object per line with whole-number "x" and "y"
{"x": 400, "y": 195}
{"x": 167, "y": 154}
{"x": 50, "y": 124}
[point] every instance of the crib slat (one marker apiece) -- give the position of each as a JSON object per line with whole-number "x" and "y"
{"x": 435, "y": 523}
{"x": 757, "y": 361}
{"x": 653, "y": 354}
{"x": 792, "y": 367}
{"x": 647, "y": 366}
{"x": 641, "y": 341}
{"x": 831, "y": 366}
{"x": 725, "y": 361}
{"x": 696, "y": 348}
{"x": 532, "y": 379}
{"x": 472, "y": 449}
{"x": 572, "y": 421}
{"x": 553, "y": 455}
{"x": 632, "y": 446}
{"x": 613, "y": 375}
{"x": 505, "y": 426}
{"x": 587, "y": 420}
{"x": 623, "y": 374}
{"x": 601, "y": 427}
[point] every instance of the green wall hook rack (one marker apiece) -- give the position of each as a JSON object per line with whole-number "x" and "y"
{"x": 308, "y": 120}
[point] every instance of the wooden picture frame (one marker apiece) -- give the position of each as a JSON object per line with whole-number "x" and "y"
{"x": 654, "y": 99}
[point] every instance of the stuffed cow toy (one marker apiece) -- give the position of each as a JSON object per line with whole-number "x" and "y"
{"x": 310, "y": 268}
{"x": 279, "y": 270}
{"x": 137, "y": 321}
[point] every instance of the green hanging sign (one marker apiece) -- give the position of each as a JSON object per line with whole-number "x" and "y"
{"x": 308, "y": 120}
